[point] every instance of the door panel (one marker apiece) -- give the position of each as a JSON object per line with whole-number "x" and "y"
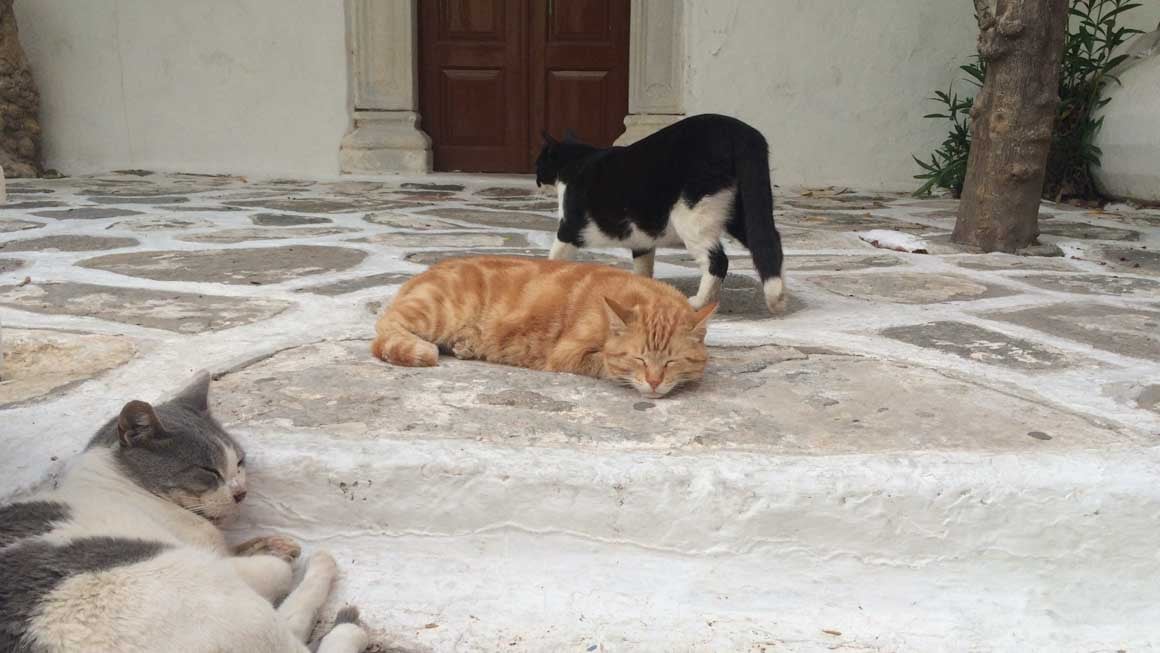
{"x": 571, "y": 97}
{"x": 473, "y": 84}
{"x": 579, "y": 79}
{"x": 494, "y": 73}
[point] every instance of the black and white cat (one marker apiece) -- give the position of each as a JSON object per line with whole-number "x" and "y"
{"x": 686, "y": 185}
{"x": 124, "y": 555}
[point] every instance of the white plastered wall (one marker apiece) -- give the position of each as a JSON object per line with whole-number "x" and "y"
{"x": 837, "y": 87}
{"x": 261, "y": 86}
{"x": 245, "y": 86}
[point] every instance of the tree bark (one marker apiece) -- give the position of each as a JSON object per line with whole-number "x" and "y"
{"x": 1011, "y": 122}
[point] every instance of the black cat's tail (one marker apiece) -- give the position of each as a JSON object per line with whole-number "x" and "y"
{"x": 755, "y": 194}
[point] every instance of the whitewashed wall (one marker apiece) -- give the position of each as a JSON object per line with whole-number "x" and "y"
{"x": 260, "y": 86}
{"x": 837, "y": 86}
{"x": 242, "y": 86}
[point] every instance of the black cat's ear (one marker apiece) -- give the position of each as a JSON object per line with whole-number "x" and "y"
{"x": 137, "y": 424}
{"x": 570, "y": 136}
{"x": 619, "y": 317}
{"x": 196, "y": 394}
{"x": 701, "y": 321}
{"x": 548, "y": 140}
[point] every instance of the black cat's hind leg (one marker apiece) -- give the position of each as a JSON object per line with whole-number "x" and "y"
{"x": 642, "y": 261}
{"x": 714, "y": 266}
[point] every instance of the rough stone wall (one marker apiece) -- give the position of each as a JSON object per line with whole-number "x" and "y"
{"x": 19, "y": 103}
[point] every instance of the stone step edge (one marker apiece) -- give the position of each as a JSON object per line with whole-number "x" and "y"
{"x": 1064, "y": 507}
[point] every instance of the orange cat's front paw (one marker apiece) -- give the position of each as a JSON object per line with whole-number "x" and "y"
{"x": 275, "y": 545}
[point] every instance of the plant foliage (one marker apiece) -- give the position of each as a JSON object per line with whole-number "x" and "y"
{"x": 1092, "y": 37}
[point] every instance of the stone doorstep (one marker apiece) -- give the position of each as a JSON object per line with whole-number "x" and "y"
{"x": 854, "y": 538}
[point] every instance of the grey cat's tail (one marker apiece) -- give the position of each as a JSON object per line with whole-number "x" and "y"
{"x": 755, "y": 193}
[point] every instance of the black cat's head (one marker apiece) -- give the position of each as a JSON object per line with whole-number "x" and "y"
{"x": 179, "y": 452}
{"x": 554, "y": 155}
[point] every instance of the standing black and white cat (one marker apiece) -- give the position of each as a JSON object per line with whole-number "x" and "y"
{"x": 686, "y": 185}
{"x": 124, "y": 555}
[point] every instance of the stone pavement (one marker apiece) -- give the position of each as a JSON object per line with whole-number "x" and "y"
{"x": 119, "y": 286}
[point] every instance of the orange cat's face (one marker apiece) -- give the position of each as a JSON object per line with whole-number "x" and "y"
{"x": 655, "y": 352}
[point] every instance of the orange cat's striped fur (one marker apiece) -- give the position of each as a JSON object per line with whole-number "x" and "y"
{"x": 548, "y": 315}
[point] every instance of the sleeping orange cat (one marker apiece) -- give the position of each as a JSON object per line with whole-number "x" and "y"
{"x": 557, "y": 316}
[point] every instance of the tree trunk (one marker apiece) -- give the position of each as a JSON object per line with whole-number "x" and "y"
{"x": 1011, "y": 122}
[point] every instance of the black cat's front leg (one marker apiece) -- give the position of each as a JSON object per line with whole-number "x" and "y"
{"x": 714, "y": 266}
{"x": 568, "y": 239}
{"x": 642, "y": 261}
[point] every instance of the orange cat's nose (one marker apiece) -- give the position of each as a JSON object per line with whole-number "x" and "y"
{"x": 652, "y": 381}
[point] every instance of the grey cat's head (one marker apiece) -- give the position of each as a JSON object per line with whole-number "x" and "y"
{"x": 178, "y": 451}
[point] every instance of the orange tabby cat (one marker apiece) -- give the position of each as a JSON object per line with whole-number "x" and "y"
{"x": 548, "y": 315}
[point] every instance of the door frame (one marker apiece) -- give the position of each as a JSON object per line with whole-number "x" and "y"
{"x": 386, "y": 134}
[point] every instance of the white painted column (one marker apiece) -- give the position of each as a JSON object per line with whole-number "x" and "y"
{"x": 385, "y": 136}
{"x": 656, "y": 68}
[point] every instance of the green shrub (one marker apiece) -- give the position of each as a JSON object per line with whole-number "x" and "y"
{"x": 1092, "y": 36}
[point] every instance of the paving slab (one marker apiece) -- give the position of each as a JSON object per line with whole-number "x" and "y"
{"x": 316, "y": 205}
{"x": 503, "y": 219}
{"x": 86, "y": 213}
{"x": 1126, "y": 331}
{"x": 999, "y": 262}
{"x": 741, "y": 297}
{"x": 1149, "y": 398}
{"x": 908, "y": 287}
{"x": 25, "y": 205}
{"x": 984, "y": 345}
{"x": 434, "y": 256}
{"x": 1085, "y": 231}
{"x": 286, "y": 220}
{"x": 234, "y": 266}
{"x": 67, "y": 244}
{"x": 360, "y": 283}
{"x": 1095, "y": 284}
{"x": 1134, "y": 261}
{"x": 410, "y": 185}
{"x": 460, "y": 239}
{"x": 411, "y": 221}
{"x": 40, "y": 363}
{"x": 9, "y": 226}
{"x": 156, "y": 200}
{"x": 173, "y": 311}
{"x": 850, "y": 203}
{"x": 768, "y": 399}
{"x": 147, "y": 224}
{"x": 851, "y": 222}
{"x": 262, "y": 233}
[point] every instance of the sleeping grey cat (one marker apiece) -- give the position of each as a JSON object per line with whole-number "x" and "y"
{"x": 124, "y": 554}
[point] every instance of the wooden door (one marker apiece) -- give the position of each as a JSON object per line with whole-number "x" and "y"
{"x": 494, "y": 73}
{"x": 473, "y": 83}
{"x": 579, "y": 58}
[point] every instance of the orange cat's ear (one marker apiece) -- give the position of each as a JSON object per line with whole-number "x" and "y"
{"x": 701, "y": 321}
{"x": 619, "y": 317}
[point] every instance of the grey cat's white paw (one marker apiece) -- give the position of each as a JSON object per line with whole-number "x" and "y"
{"x": 276, "y": 545}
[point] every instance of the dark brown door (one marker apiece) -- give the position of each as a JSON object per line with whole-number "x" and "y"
{"x": 474, "y": 83}
{"x": 579, "y": 58}
{"x": 493, "y": 73}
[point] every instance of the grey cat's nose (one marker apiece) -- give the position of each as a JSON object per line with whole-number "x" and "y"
{"x": 240, "y": 496}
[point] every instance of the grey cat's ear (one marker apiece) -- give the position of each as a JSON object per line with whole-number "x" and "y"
{"x": 137, "y": 424}
{"x": 548, "y": 140}
{"x": 570, "y": 136}
{"x": 701, "y": 321}
{"x": 619, "y": 317}
{"x": 196, "y": 394}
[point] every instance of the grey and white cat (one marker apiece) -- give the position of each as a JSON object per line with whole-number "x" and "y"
{"x": 124, "y": 554}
